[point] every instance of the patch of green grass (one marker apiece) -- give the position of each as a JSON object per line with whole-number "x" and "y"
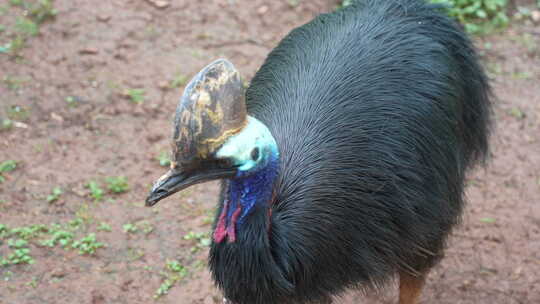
{"x": 146, "y": 227}
{"x": 8, "y": 166}
{"x": 20, "y": 254}
{"x": 33, "y": 283}
{"x": 42, "y": 10}
{"x": 6, "y": 124}
{"x": 176, "y": 267}
{"x": 179, "y": 80}
{"x": 117, "y": 184}
{"x": 517, "y": 113}
{"x": 104, "y": 227}
{"x": 488, "y": 220}
{"x": 478, "y": 16}
{"x": 5, "y": 167}
{"x": 135, "y": 95}
{"x": 17, "y": 3}
{"x": 95, "y": 190}
{"x": 71, "y": 101}
{"x": 15, "y": 46}
{"x": 55, "y": 195}
{"x": 29, "y": 232}
{"x": 36, "y": 12}
{"x": 164, "y": 288}
{"x": 87, "y": 245}
{"x": 4, "y": 230}
{"x": 26, "y": 27}
{"x": 164, "y": 159}
{"x": 174, "y": 272}
{"x": 202, "y": 240}
{"x": 76, "y": 223}
{"x": 59, "y": 237}
{"x": 130, "y": 228}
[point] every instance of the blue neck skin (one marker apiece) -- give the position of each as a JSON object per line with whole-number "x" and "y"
{"x": 255, "y": 188}
{"x": 246, "y": 192}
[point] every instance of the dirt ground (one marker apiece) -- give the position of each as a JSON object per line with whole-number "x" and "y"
{"x": 91, "y": 97}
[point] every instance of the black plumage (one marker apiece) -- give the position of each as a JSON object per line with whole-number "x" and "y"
{"x": 378, "y": 111}
{"x": 350, "y": 168}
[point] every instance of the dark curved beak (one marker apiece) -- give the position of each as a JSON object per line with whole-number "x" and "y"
{"x": 176, "y": 180}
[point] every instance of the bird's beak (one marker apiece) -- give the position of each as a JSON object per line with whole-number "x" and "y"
{"x": 176, "y": 180}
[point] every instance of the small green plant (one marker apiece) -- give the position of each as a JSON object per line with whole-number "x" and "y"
{"x": 87, "y": 245}
{"x": 117, "y": 184}
{"x": 146, "y": 227}
{"x": 60, "y": 237}
{"x": 26, "y": 27}
{"x": 33, "y": 283}
{"x": 203, "y": 240}
{"x": 55, "y": 195}
{"x": 36, "y": 12}
{"x": 135, "y": 95}
{"x": 517, "y": 113}
{"x": 17, "y": 3}
{"x": 488, "y": 220}
{"x": 72, "y": 101}
{"x": 174, "y": 273}
{"x": 5, "y": 167}
{"x": 164, "y": 159}
{"x": 14, "y": 46}
{"x": 20, "y": 255}
{"x": 41, "y": 11}
{"x": 29, "y": 232}
{"x": 76, "y": 223}
{"x": 95, "y": 191}
{"x": 6, "y": 124}
{"x": 178, "y": 81}
{"x": 478, "y": 16}
{"x": 130, "y": 228}
{"x": 104, "y": 227}
{"x": 176, "y": 267}
{"x": 164, "y": 288}
{"x": 4, "y": 231}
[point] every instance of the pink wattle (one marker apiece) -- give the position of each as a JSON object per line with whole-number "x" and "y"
{"x": 221, "y": 231}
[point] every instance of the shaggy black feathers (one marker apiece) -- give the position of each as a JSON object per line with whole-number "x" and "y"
{"x": 378, "y": 111}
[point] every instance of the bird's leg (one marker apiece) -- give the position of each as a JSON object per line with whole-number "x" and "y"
{"x": 410, "y": 287}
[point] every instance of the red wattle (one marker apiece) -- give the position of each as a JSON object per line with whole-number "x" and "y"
{"x": 231, "y": 230}
{"x": 221, "y": 231}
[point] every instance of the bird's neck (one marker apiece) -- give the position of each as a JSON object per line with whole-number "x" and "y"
{"x": 246, "y": 195}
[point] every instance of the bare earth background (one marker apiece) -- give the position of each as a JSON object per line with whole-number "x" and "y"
{"x": 72, "y": 94}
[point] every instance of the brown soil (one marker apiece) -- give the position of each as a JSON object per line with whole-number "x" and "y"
{"x": 95, "y": 50}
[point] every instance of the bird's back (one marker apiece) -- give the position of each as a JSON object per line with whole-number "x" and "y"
{"x": 378, "y": 110}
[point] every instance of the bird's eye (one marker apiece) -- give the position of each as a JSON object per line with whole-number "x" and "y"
{"x": 255, "y": 154}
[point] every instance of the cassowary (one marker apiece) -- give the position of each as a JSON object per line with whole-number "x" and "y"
{"x": 343, "y": 163}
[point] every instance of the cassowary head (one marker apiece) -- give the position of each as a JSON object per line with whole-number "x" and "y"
{"x": 213, "y": 137}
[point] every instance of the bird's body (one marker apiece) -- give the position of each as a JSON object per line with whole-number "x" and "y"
{"x": 377, "y": 111}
